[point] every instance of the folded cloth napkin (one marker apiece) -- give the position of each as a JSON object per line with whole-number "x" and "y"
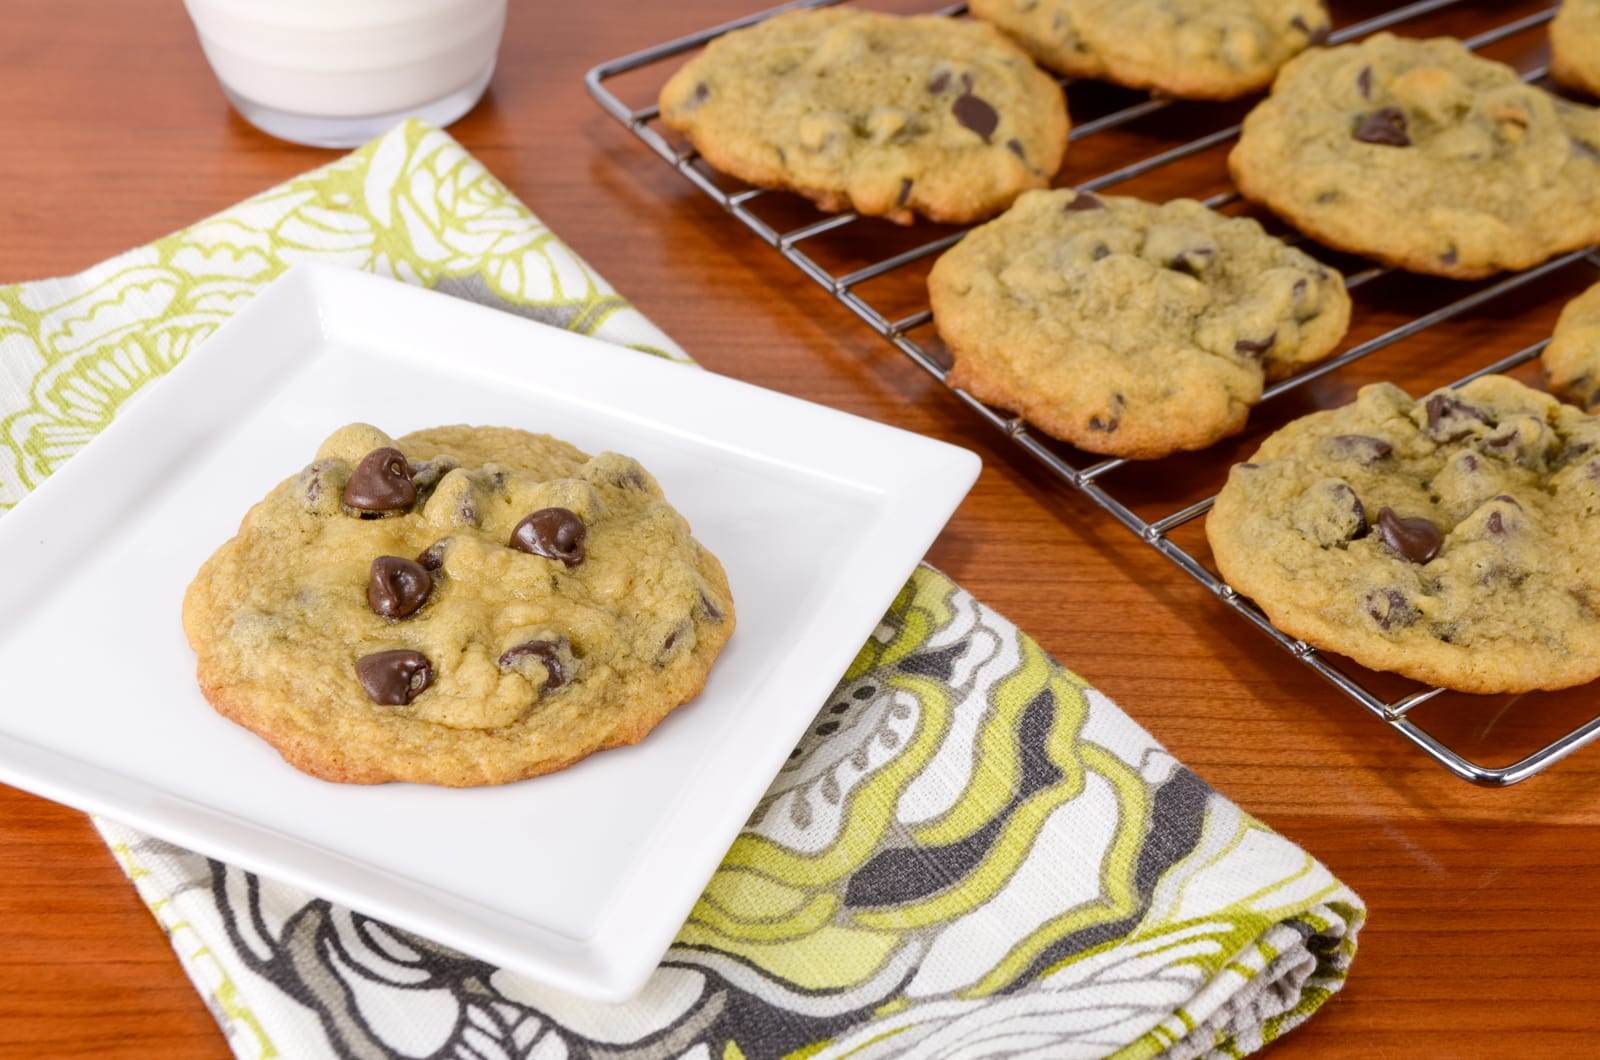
{"x": 972, "y": 852}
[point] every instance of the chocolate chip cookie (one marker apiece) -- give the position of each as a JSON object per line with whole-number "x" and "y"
{"x": 1575, "y": 45}
{"x": 1425, "y": 156}
{"x": 1196, "y": 49}
{"x": 1129, "y": 328}
{"x": 461, "y": 606}
{"x": 1572, "y": 360}
{"x": 1455, "y": 539}
{"x": 891, "y": 116}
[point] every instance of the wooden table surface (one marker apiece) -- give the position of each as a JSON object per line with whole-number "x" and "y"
{"x": 1482, "y": 933}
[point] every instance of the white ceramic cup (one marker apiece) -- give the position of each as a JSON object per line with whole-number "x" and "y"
{"x": 335, "y": 73}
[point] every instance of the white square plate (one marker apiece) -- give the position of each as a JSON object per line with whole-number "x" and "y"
{"x": 579, "y": 879}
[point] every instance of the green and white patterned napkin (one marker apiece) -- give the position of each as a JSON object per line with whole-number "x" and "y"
{"x": 971, "y": 853}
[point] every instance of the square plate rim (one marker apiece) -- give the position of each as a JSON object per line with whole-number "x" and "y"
{"x": 596, "y": 967}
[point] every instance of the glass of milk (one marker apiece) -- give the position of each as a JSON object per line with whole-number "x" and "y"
{"x": 335, "y": 73}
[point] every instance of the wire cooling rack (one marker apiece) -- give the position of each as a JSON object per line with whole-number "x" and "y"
{"x": 1084, "y": 472}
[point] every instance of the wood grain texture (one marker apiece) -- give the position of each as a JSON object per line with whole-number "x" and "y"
{"x": 1482, "y": 928}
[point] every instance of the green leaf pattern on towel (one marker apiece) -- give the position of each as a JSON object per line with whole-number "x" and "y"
{"x": 412, "y": 205}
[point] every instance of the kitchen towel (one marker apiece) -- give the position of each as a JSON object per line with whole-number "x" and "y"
{"x": 972, "y": 852}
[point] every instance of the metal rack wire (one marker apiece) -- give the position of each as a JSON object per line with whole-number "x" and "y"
{"x": 1086, "y": 477}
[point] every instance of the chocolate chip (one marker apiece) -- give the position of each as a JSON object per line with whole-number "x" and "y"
{"x": 394, "y": 678}
{"x": 1585, "y": 600}
{"x": 1390, "y": 608}
{"x": 1113, "y": 419}
{"x": 975, "y": 114}
{"x": 1501, "y": 438}
{"x": 1496, "y": 524}
{"x": 1362, "y": 447}
{"x": 1417, "y": 539}
{"x": 1443, "y": 408}
{"x": 554, "y": 533}
{"x": 1385, "y": 126}
{"x": 431, "y": 558}
{"x": 1316, "y": 35}
{"x": 1255, "y": 347}
{"x": 1469, "y": 461}
{"x": 397, "y": 587}
{"x": 709, "y": 608}
{"x": 547, "y": 652}
{"x": 966, "y": 84}
{"x": 1586, "y": 149}
{"x": 899, "y": 200}
{"x": 1324, "y": 198}
{"x": 1247, "y": 466}
{"x": 939, "y": 82}
{"x": 1449, "y": 257}
{"x": 1084, "y": 200}
{"x": 1364, "y": 82}
{"x": 1100, "y": 252}
{"x": 381, "y": 483}
{"x": 1357, "y": 509}
{"x": 702, "y": 92}
{"x": 1194, "y": 260}
{"x": 1014, "y": 145}
{"x": 1509, "y": 499}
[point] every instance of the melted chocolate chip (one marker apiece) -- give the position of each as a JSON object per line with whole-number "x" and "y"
{"x": 1442, "y": 408}
{"x": 1362, "y": 447}
{"x": 1502, "y": 438}
{"x": 431, "y": 558}
{"x": 709, "y": 608}
{"x": 1390, "y": 608}
{"x": 976, "y": 114}
{"x": 554, "y": 533}
{"x": 1357, "y": 509}
{"x": 394, "y": 678}
{"x": 547, "y": 652}
{"x": 1496, "y": 524}
{"x": 1385, "y": 126}
{"x": 1469, "y": 461}
{"x": 899, "y": 200}
{"x": 1084, "y": 200}
{"x": 381, "y": 483}
{"x": 939, "y": 82}
{"x": 1255, "y": 347}
{"x": 397, "y": 587}
{"x": 1417, "y": 539}
{"x": 1364, "y": 82}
